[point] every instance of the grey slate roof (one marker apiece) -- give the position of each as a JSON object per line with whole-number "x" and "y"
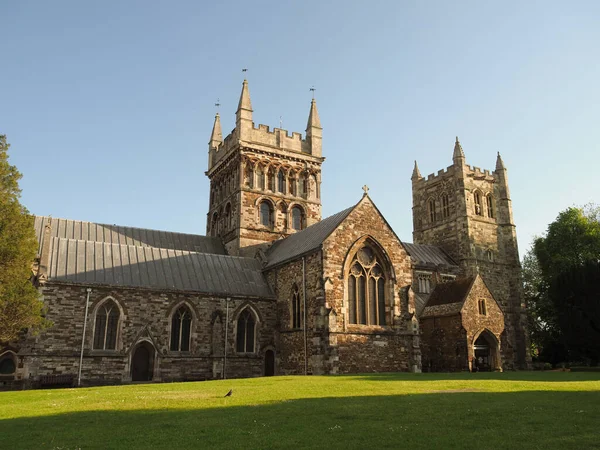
{"x": 104, "y": 263}
{"x": 428, "y": 255}
{"x": 306, "y": 240}
{"x": 114, "y": 234}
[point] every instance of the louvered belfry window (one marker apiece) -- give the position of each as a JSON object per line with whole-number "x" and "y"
{"x": 366, "y": 289}
{"x": 106, "y": 327}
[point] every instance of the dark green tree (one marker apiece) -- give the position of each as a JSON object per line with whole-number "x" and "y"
{"x": 572, "y": 241}
{"x": 20, "y": 305}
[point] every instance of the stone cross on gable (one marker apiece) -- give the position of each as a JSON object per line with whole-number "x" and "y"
{"x": 366, "y": 189}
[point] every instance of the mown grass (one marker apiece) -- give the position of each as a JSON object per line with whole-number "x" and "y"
{"x": 450, "y": 411}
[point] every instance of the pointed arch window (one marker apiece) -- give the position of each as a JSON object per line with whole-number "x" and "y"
{"x": 106, "y": 326}
{"x": 181, "y": 325}
{"x": 266, "y": 214}
{"x": 445, "y": 206}
{"x": 297, "y": 218}
{"x": 477, "y": 201}
{"x": 432, "y": 211}
{"x": 366, "y": 289}
{"x": 296, "y": 308}
{"x": 281, "y": 182}
{"x": 246, "y": 332}
{"x": 490, "y": 205}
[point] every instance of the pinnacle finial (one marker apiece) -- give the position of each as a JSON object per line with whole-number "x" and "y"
{"x": 216, "y": 137}
{"x": 313, "y": 117}
{"x": 499, "y": 163}
{"x": 416, "y": 175}
{"x": 458, "y": 152}
{"x": 245, "y": 102}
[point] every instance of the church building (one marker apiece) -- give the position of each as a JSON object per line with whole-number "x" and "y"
{"x": 275, "y": 289}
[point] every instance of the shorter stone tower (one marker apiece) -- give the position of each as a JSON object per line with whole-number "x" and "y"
{"x": 263, "y": 184}
{"x": 468, "y": 212}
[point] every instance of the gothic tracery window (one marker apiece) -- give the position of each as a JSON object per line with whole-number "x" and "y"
{"x": 106, "y": 326}
{"x": 181, "y": 325}
{"x": 246, "y": 332}
{"x": 366, "y": 289}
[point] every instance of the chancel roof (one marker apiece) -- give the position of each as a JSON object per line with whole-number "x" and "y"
{"x": 95, "y": 254}
{"x": 304, "y": 241}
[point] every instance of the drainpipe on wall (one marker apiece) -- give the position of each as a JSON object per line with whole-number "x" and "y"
{"x": 87, "y": 302}
{"x": 304, "y": 315}
{"x": 225, "y": 344}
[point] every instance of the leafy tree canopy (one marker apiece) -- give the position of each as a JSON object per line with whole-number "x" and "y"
{"x": 20, "y": 306}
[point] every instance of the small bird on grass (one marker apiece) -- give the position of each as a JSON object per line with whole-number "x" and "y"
{"x": 229, "y": 393}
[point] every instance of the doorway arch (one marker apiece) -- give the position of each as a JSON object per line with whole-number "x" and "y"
{"x": 269, "y": 363}
{"x": 142, "y": 362}
{"x": 486, "y": 355}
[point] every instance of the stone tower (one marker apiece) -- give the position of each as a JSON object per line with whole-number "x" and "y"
{"x": 263, "y": 184}
{"x": 467, "y": 211}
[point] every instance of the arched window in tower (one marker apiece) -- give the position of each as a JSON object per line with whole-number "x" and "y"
{"x": 297, "y": 218}
{"x": 249, "y": 176}
{"x": 106, "y": 326}
{"x": 445, "y": 206}
{"x": 266, "y": 214}
{"x": 181, "y": 325}
{"x": 292, "y": 183}
{"x": 296, "y": 308}
{"x": 489, "y": 201}
{"x": 271, "y": 180}
{"x": 477, "y": 203}
{"x": 432, "y": 211}
{"x": 214, "y": 224}
{"x": 260, "y": 178}
{"x": 366, "y": 288}
{"x": 246, "y": 332}
{"x": 280, "y": 181}
{"x": 227, "y": 224}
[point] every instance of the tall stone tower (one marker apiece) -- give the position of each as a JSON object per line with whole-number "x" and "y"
{"x": 468, "y": 212}
{"x": 263, "y": 184}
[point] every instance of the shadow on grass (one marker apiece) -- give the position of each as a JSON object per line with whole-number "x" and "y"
{"x": 542, "y": 376}
{"x": 461, "y": 420}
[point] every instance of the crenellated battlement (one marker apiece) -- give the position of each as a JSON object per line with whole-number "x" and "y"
{"x": 433, "y": 178}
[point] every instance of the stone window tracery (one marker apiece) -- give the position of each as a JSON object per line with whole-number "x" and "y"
{"x": 181, "y": 325}
{"x": 106, "y": 326}
{"x": 366, "y": 289}
{"x": 246, "y": 332}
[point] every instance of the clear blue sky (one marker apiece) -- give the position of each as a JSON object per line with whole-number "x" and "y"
{"x": 109, "y": 105}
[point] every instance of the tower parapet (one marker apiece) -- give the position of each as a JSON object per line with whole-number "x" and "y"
{"x": 265, "y": 183}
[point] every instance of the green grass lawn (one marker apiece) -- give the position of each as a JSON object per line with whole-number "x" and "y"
{"x": 442, "y": 411}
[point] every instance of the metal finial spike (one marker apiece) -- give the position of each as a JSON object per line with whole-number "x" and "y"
{"x": 312, "y": 89}
{"x": 217, "y": 105}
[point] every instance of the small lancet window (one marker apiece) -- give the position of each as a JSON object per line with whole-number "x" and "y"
{"x": 296, "y": 308}
{"x": 181, "y": 325}
{"x": 478, "y": 208}
{"x": 490, "y": 205}
{"x": 297, "y": 218}
{"x": 366, "y": 289}
{"x": 281, "y": 182}
{"x": 106, "y": 326}
{"x": 482, "y": 307}
{"x": 246, "y": 331}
